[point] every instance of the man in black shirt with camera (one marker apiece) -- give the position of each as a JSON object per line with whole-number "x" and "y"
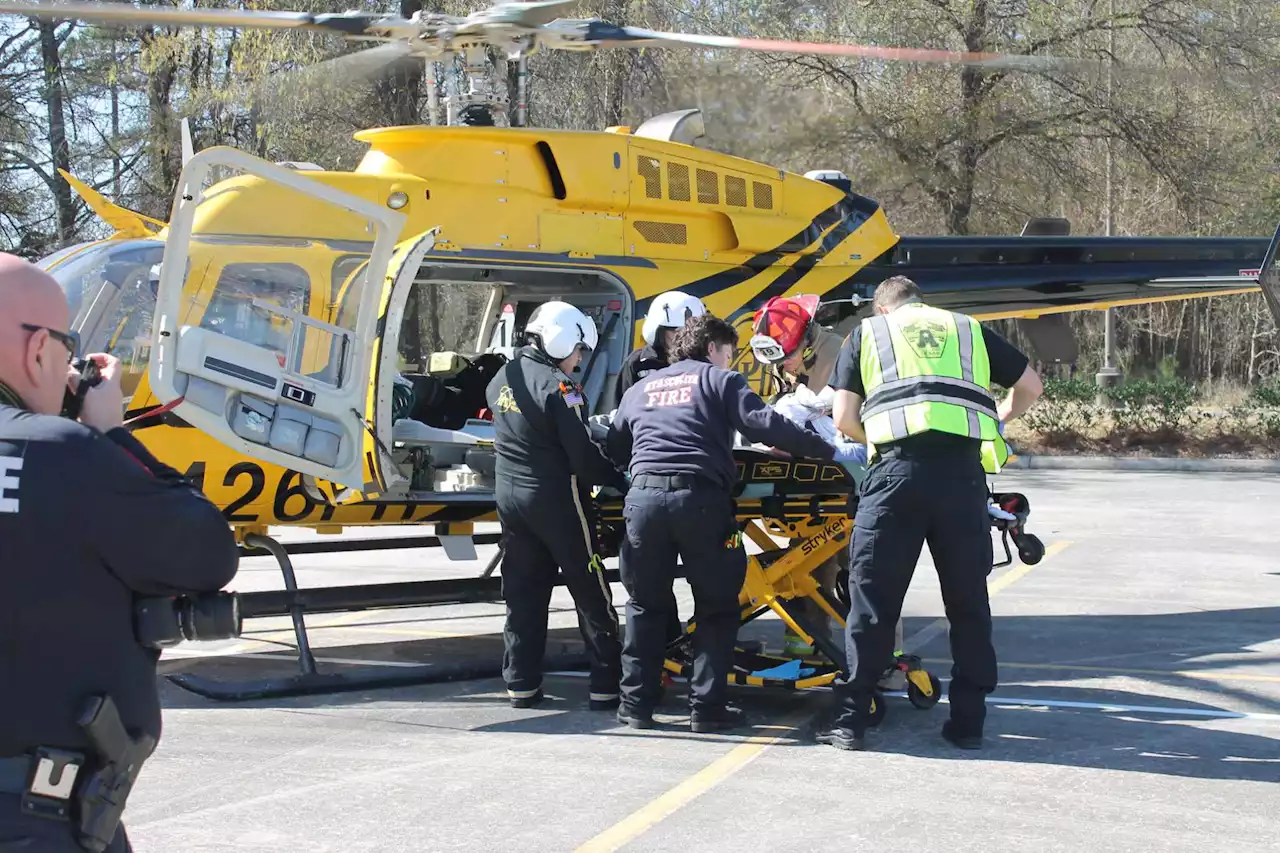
{"x": 90, "y": 522}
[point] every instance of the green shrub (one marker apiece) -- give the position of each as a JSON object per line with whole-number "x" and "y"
{"x": 1265, "y": 395}
{"x": 1067, "y": 407}
{"x": 1258, "y": 415}
{"x": 1146, "y": 407}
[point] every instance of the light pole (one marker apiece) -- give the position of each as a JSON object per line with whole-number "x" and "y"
{"x": 1109, "y": 376}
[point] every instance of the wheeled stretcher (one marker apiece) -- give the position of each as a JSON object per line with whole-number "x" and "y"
{"x": 810, "y": 506}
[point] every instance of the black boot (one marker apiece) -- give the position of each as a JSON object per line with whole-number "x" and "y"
{"x": 704, "y": 720}
{"x": 961, "y": 738}
{"x": 526, "y": 701}
{"x": 635, "y": 718}
{"x": 603, "y": 702}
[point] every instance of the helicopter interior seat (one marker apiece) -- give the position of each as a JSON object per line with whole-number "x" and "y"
{"x": 452, "y": 391}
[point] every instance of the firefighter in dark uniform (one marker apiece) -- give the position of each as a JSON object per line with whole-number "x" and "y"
{"x": 674, "y": 431}
{"x": 546, "y": 464}
{"x": 933, "y": 431}
{"x": 89, "y": 520}
{"x": 667, "y": 314}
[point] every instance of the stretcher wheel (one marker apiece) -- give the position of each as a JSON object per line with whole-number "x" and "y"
{"x": 841, "y": 591}
{"x": 923, "y": 701}
{"x": 1030, "y": 548}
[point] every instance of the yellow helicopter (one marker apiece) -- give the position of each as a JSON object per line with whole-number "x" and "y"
{"x": 261, "y": 326}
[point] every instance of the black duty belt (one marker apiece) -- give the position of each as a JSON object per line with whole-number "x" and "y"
{"x": 946, "y": 451}
{"x": 672, "y": 482}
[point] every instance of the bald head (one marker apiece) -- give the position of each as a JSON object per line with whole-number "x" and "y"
{"x": 32, "y": 363}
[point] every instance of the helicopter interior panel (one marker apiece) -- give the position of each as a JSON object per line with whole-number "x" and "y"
{"x": 460, "y": 327}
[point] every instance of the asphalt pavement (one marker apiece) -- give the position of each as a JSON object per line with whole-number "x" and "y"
{"x": 1139, "y": 708}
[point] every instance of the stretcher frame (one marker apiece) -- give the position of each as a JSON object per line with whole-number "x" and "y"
{"x": 814, "y": 515}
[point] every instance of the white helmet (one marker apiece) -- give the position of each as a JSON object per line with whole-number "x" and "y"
{"x": 560, "y": 327}
{"x": 670, "y": 310}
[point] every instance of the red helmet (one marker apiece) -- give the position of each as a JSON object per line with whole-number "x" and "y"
{"x": 781, "y": 327}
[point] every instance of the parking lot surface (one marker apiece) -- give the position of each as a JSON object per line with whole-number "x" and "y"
{"x": 1139, "y": 709}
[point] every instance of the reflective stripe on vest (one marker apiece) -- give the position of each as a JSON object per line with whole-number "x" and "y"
{"x": 909, "y": 393}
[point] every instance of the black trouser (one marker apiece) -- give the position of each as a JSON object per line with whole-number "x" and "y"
{"x": 544, "y": 528}
{"x": 20, "y": 833}
{"x": 686, "y": 517}
{"x": 905, "y": 501}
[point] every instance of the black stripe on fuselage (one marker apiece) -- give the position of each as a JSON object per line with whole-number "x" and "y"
{"x": 801, "y": 268}
{"x": 847, "y": 214}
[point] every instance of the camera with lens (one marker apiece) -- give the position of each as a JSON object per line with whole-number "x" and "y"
{"x": 161, "y": 622}
{"x": 90, "y": 375}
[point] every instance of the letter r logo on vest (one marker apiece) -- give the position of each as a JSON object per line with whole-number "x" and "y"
{"x": 9, "y": 467}
{"x": 926, "y": 338}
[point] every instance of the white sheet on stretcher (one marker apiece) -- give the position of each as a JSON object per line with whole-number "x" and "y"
{"x": 805, "y": 408}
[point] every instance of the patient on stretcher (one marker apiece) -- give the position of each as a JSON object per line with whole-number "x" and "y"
{"x": 806, "y": 408}
{"x": 802, "y": 408}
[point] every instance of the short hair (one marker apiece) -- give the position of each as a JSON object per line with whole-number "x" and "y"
{"x": 895, "y": 291}
{"x": 694, "y": 339}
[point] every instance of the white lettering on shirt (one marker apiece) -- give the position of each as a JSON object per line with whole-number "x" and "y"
{"x": 9, "y": 483}
{"x": 670, "y": 390}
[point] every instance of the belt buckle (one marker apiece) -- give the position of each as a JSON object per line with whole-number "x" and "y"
{"x": 51, "y": 782}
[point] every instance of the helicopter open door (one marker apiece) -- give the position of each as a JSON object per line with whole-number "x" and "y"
{"x": 272, "y": 367}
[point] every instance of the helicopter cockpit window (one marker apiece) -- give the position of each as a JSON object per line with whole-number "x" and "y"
{"x": 112, "y": 294}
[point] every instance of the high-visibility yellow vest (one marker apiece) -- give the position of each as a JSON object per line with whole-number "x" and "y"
{"x": 924, "y": 369}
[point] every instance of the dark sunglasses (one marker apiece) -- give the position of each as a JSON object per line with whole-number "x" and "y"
{"x": 70, "y": 340}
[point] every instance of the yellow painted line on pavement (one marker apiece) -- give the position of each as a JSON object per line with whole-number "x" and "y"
{"x": 647, "y": 816}
{"x": 650, "y": 814}
{"x": 1204, "y": 675}
{"x": 994, "y": 588}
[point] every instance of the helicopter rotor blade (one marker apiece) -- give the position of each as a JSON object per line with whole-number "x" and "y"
{"x": 341, "y": 71}
{"x": 600, "y": 34}
{"x": 124, "y": 14}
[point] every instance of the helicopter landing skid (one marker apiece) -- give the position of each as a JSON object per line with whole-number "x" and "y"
{"x": 310, "y": 681}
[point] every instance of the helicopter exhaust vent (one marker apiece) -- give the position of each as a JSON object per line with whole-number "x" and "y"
{"x": 671, "y": 233}
{"x": 763, "y": 195}
{"x": 678, "y": 182}
{"x": 735, "y": 191}
{"x": 651, "y": 171}
{"x": 708, "y": 187}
